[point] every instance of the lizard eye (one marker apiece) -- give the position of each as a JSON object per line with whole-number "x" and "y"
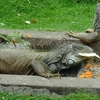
{"x": 70, "y": 61}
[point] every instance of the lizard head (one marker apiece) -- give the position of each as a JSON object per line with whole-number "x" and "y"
{"x": 72, "y": 56}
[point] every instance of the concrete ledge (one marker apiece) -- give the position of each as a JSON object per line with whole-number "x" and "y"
{"x": 57, "y": 85}
{"x": 37, "y": 34}
{"x": 45, "y": 37}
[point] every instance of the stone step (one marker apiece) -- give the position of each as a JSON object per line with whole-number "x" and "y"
{"x": 57, "y": 85}
{"x": 60, "y": 86}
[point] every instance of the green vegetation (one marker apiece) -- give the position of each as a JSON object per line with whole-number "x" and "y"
{"x": 73, "y": 96}
{"x": 15, "y": 38}
{"x": 49, "y": 15}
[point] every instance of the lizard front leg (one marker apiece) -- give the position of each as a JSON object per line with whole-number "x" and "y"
{"x": 42, "y": 69}
{"x": 85, "y": 37}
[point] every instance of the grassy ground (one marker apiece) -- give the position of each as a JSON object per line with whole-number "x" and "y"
{"x": 49, "y": 15}
{"x": 73, "y": 96}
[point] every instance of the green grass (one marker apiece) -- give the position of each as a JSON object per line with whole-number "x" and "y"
{"x": 51, "y": 15}
{"x": 73, "y": 96}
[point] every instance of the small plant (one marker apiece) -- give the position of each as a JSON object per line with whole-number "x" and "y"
{"x": 15, "y": 38}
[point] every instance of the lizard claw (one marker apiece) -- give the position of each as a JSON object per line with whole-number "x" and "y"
{"x": 70, "y": 33}
{"x": 48, "y": 75}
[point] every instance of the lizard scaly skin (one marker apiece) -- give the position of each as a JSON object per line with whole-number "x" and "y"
{"x": 15, "y": 60}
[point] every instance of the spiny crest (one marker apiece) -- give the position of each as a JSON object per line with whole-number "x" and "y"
{"x": 55, "y": 44}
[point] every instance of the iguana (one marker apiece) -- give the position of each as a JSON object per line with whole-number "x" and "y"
{"x": 15, "y": 60}
{"x": 90, "y": 36}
